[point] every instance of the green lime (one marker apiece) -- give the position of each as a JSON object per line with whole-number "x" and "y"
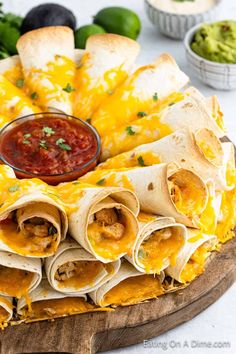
{"x": 119, "y": 20}
{"x": 82, "y": 34}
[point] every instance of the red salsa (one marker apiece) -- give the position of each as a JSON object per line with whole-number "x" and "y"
{"x": 49, "y": 146}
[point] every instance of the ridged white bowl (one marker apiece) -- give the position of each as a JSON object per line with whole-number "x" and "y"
{"x": 175, "y": 25}
{"x": 217, "y": 75}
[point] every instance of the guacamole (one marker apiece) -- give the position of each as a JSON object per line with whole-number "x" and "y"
{"x": 216, "y": 42}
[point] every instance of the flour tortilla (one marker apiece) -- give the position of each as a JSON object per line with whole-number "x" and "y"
{"x": 30, "y": 205}
{"x": 146, "y": 229}
{"x": 70, "y": 251}
{"x": 92, "y": 201}
{"x": 152, "y": 187}
{"x": 32, "y": 265}
{"x": 184, "y": 148}
{"x": 187, "y": 251}
{"x": 126, "y": 271}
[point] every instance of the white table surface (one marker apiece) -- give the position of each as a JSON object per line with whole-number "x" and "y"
{"x": 218, "y": 322}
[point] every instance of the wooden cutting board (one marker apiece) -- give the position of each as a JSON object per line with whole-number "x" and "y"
{"x": 101, "y": 331}
{"x": 96, "y": 332}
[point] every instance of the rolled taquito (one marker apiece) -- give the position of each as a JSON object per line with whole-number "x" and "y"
{"x": 74, "y": 271}
{"x": 18, "y": 275}
{"x": 128, "y": 287}
{"x": 102, "y": 220}
{"x": 6, "y": 311}
{"x": 158, "y": 244}
{"x": 33, "y": 221}
{"x": 188, "y": 112}
{"x": 192, "y": 258}
{"x": 48, "y": 59}
{"x": 162, "y": 189}
{"x": 105, "y": 65}
{"x": 47, "y": 303}
{"x": 200, "y": 152}
{"x": 143, "y": 91}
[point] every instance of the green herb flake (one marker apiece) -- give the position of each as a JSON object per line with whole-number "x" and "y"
{"x": 34, "y": 96}
{"x": 110, "y": 92}
{"x": 26, "y": 142}
{"x": 1, "y": 205}
{"x": 101, "y": 182}
{"x": 171, "y": 104}
{"x": 141, "y": 114}
{"x": 155, "y": 97}
{"x": 20, "y": 83}
{"x": 43, "y": 145}
{"x": 141, "y": 161}
{"x": 89, "y": 120}
{"x": 27, "y": 136}
{"x": 48, "y": 131}
{"x": 76, "y": 183}
{"x": 141, "y": 253}
{"x": 52, "y": 230}
{"x": 68, "y": 88}
{"x": 61, "y": 143}
{"x": 130, "y": 131}
{"x": 14, "y": 188}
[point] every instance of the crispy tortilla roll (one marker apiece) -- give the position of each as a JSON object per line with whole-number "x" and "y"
{"x": 32, "y": 221}
{"x": 143, "y": 91}
{"x": 13, "y": 102}
{"x": 162, "y": 189}
{"x": 11, "y": 68}
{"x": 158, "y": 244}
{"x": 127, "y": 287}
{"x": 227, "y": 214}
{"x": 74, "y": 271}
{"x": 105, "y": 65}
{"x": 190, "y": 111}
{"x": 18, "y": 275}
{"x": 200, "y": 152}
{"x": 192, "y": 258}
{"x": 47, "y": 56}
{"x": 102, "y": 220}
{"x": 6, "y": 311}
{"x": 47, "y": 303}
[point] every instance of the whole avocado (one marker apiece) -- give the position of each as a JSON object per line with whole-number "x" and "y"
{"x": 119, "y": 20}
{"x": 48, "y": 15}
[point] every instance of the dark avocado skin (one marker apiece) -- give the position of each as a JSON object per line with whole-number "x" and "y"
{"x": 48, "y": 15}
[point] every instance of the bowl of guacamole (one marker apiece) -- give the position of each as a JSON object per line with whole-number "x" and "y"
{"x": 211, "y": 53}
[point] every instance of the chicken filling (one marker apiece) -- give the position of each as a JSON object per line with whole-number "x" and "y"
{"x": 3, "y": 317}
{"x": 78, "y": 274}
{"x": 36, "y": 236}
{"x": 160, "y": 249}
{"x": 110, "y": 233}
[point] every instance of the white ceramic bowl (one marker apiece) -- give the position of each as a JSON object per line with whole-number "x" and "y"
{"x": 217, "y": 75}
{"x": 175, "y": 25}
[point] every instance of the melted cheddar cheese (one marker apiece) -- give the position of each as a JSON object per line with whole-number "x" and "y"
{"x": 128, "y": 160}
{"x": 195, "y": 265}
{"x": 133, "y": 290}
{"x": 159, "y": 249}
{"x": 208, "y": 150}
{"x": 107, "y": 247}
{"x": 208, "y": 219}
{"x": 3, "y": 317}
{"x": 224, "y": 229}
{"x": 54, "y": 308}
{"x": 27, "y": 245}
{"x": 91, "y": 89}
{"x": 15, "y": 282}
{"x": 13, "y": 101}
{"x": 140, "y": 131}
{"x": 85, "y": 274}
{"x": 14, "y": 74}
{"x": 51, "y": 84}
{"x": 123, "y": 106}
{"x": 144, "y": 217}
